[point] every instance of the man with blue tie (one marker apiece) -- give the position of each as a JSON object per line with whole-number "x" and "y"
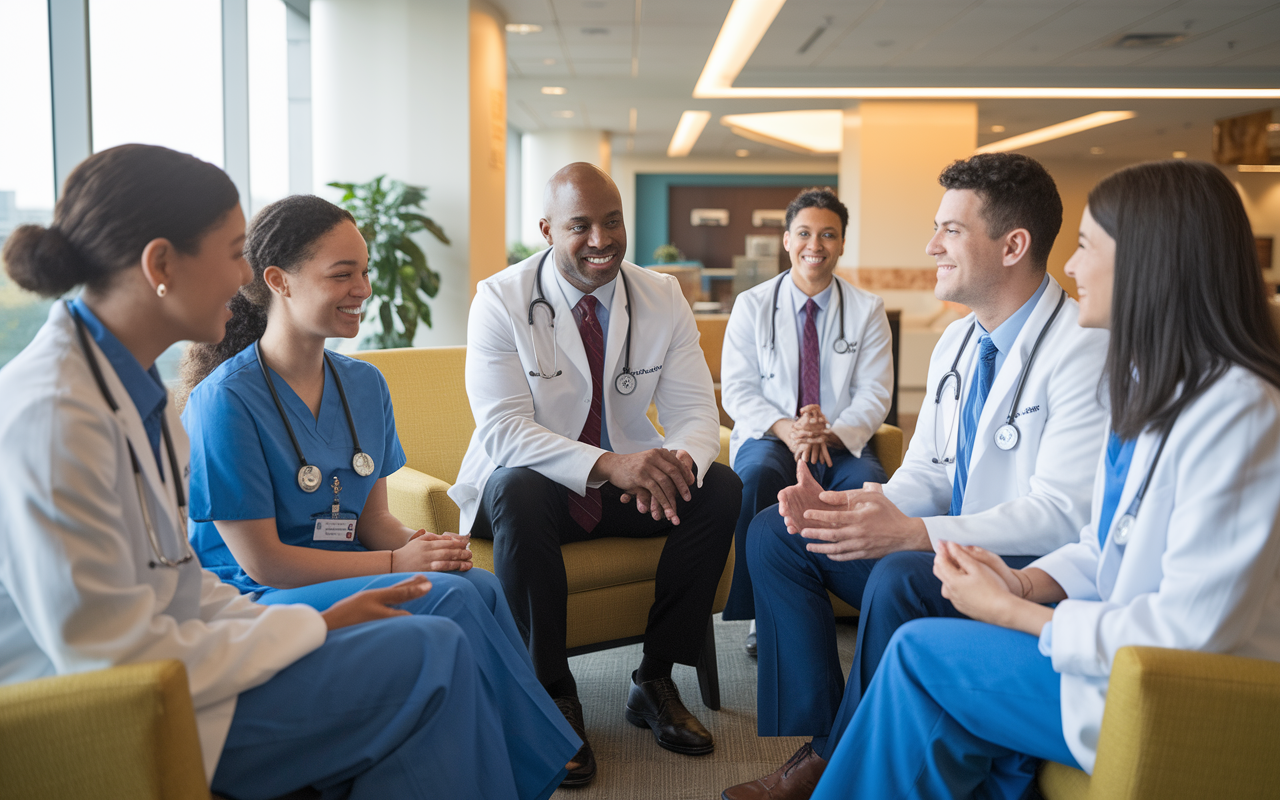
{"x": 1003, "y": 457}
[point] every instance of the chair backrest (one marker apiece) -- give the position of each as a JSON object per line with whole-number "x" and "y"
{"x": 711, "y": 328}
{"x": 433, "y": 415}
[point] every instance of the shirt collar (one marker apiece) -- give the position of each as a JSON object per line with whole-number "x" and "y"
{"x": 572, "y": 294}
{"x": 1006, "y": 333}
{"x": 145, "y": 387}
{"x": 798, "y": 298}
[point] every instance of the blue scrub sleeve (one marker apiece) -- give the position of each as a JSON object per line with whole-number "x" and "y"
{"x": 229, "y": 474}
{"x": 395, "y": 453}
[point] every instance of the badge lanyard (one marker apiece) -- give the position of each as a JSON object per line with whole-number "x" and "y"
{"x": 308, "y": 474}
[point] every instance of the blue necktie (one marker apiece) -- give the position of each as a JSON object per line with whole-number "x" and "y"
{"x": 969, "y": 415}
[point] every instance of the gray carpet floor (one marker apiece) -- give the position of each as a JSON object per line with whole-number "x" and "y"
{"x": 631, "y": 764}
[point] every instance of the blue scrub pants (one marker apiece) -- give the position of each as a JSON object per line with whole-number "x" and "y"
{"x": 766, "y": 467}
{"x": 958, "y": 709}
{"x": 801, "y": 687}
{"x": 441, "y": 703}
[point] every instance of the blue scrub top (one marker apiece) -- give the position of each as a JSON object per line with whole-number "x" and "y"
{"x": 1115, "y": 471}
{"x": 243, "y": 465}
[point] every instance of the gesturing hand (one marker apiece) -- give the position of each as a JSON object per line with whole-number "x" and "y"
{"x": 431, "y": 552}
{"x": 794, "y": 501}
{"x": 860, "y": 524}
{"x": 655, "y": 478}
{"x": 374, "y": 604}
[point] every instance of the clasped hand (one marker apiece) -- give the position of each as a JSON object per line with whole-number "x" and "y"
{"x": 655, "y": 479}
{"x": 981, "y": 586}
{"x": 432, "y": 552}
{"x": 849, "y": 525}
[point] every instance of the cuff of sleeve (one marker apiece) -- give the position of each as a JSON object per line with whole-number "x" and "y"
{"x": 852, "y": 437}
{"x": 1046, "y": 640}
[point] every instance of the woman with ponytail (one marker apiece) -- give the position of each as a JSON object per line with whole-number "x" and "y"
{"x": 360, "y": 697}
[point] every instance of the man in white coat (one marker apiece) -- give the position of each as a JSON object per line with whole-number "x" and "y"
{"x": 565, "y": 352}
{"x": 1003, "y": 457}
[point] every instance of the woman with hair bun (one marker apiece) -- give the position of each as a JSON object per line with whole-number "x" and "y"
{"x": 359, "y": 697}
{"x": 1183, "y": 548}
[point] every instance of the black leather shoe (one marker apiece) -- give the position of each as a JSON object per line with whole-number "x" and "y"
{"x": 582, "y": 774}
{"x": 751, "y": 644}
{"x": 656, "y": 705}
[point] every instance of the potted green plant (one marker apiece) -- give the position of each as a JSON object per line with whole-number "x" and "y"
{"x": 401, "y": 279}
{"x": 667, "y": 254}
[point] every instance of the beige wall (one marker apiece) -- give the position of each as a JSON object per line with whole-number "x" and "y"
{"x": 488, "y": 56}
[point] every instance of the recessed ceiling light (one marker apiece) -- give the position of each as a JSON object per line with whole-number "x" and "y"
{"x": 742, "y": 153}
{"x": 566, "y": 114}
{"x": 997, "y": 129}
{"x": 1096, "y": 151}
{"x": 1258, "y": 168}
{"x": 595, "y": 31}
{"x": 548, "y": 61}
{"x": 1273, "y": 127}
{"x": 554, "y": 90}
{"x": 688, "y": 129}
{"x": 523, "y": 28}
{"x": 1047, "y": 134}
{"x": 1179, "y": 153}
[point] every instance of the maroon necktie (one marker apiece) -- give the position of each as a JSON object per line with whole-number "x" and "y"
{"x": 810, "y": 388}
{"x": 586, "y": 511}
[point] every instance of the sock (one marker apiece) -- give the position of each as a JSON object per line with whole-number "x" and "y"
{"x": 652, "y": 668}
{"x": 563, "y": 687}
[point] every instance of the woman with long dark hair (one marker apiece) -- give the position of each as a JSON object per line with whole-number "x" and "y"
{"x": 357, "y": 696}
{"x": 1183, "y": 548}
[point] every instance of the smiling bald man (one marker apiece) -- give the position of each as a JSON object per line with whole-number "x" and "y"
{"x": 565, "y": 352}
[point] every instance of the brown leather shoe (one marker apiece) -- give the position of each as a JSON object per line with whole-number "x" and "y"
{"x": 796, "y": 780}
{"x": 585, "y": 758}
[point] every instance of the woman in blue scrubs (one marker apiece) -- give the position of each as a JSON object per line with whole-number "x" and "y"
{"x": 288, "y": 478}
{"x": 1183, "y": 549}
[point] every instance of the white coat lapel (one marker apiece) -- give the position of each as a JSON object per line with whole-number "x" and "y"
{"x": 619, "y": 319}
{"x": 568, "y": 339}
{"x": 996, "y": 410}
{"x": 842, "y": 364}
{"x": 787, "y": 349}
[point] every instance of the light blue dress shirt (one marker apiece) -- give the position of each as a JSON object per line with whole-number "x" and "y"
{"x": 1006, "y": 333}
{"x": 605, "y": 297}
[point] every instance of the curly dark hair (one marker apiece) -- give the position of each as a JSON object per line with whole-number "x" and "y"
{"x": 819, "y": 197}
{"x": 1016, "y": 192}
{"x": 283, "y": 234}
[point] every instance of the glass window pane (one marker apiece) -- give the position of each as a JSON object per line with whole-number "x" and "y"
{"x": 156, "y": 68}
{"x": 26, "y": 155}
{"x": 268, "y": 103}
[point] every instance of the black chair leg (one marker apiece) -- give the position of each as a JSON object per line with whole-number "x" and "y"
{"x": 708, "y": 671}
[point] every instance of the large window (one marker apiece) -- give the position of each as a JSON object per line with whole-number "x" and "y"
{"x": 26, "y": 154}
{"x": 268, "y": 103}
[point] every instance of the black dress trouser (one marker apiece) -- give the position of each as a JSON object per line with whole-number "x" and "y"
{"x": 526, "y": 515}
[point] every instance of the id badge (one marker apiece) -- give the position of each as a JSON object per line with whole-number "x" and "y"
{"x": 334, "y": 530}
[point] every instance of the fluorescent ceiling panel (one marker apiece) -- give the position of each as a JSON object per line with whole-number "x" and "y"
{"x": 687, "y": 132}
{"x": 1051, "y": 132}
{"x": 819, "y": 131}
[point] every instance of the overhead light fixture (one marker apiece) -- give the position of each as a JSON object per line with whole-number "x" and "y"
{"x": 1096, "y": 151}
{"x": 562, "y": 114}
{"x": 554, "y": 90}
{"x": 523, "y": 28}
{"x": 742, "y": 153}
{"x": 1179, "y": 153}
{"x": 748, "y": 20}
{"x": 997, "y": 129}
{"x": 687, "y": 132}
{"x": 1258, "y": 168}
{"x": 820, "y": 131}
{"x": 1087, "y": 122}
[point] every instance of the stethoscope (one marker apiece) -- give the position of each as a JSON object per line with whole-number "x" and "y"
{"x": 175, "y": 475}
{"x": 1124, "y": 526}
{"x": 1007, "y": 435}
{"x": 309, "y": 475}
{"x": 840, "y": 345}
{"x": 625, "y": 383}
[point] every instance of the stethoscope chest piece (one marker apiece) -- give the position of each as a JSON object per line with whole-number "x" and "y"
{"x": 362, "y": 463}
{"x": 309, "y": 478}
{"x": 842, "y": 346}
{"x": 1124, "y": 529}
{"x": 1007, "y": 436}
{"x": 625, "y": 383}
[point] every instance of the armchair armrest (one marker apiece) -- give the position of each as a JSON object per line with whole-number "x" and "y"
{"x": 420, "y": 500}
{"x": 124, "y": 732}
{"x": 1181, "y": 724}
{"x": 887, "y": 444}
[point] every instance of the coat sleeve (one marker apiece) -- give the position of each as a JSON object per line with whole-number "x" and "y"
{"x": 684, "y": 396}
{"x": 66, "y": 562}
{"x": 871, "y": 389}
{"x": 502, "y": 401}
{"x": 741, "y": 389}
{"x": 1052, "y": 512}
{"x": 921, "y": 487}
{"x": 1222, "y": 541}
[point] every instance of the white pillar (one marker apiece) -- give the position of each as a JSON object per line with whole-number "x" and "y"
{"x": 544, "y": 153}
{"x": 390, "y": 96}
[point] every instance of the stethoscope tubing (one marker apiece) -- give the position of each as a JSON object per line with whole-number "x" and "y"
{"x": 840, "y": 345}
{"x": 180, "y": 496}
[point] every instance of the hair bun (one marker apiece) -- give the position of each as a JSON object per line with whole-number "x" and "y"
{"x": 41, "y": 260}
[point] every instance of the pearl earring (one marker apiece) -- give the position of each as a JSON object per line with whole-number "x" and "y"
{"x": 161, "y": 290}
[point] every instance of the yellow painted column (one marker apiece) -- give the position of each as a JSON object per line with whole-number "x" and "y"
{"x": 488, "y": 56}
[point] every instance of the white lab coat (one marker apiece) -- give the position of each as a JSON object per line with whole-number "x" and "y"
{"x": 1201, "y": 570}
{"x": 1034, "y": 498}
{"x": 760, "y": 384}
{"x": 524, "y": 420}
{"x": 76, "y": 591}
